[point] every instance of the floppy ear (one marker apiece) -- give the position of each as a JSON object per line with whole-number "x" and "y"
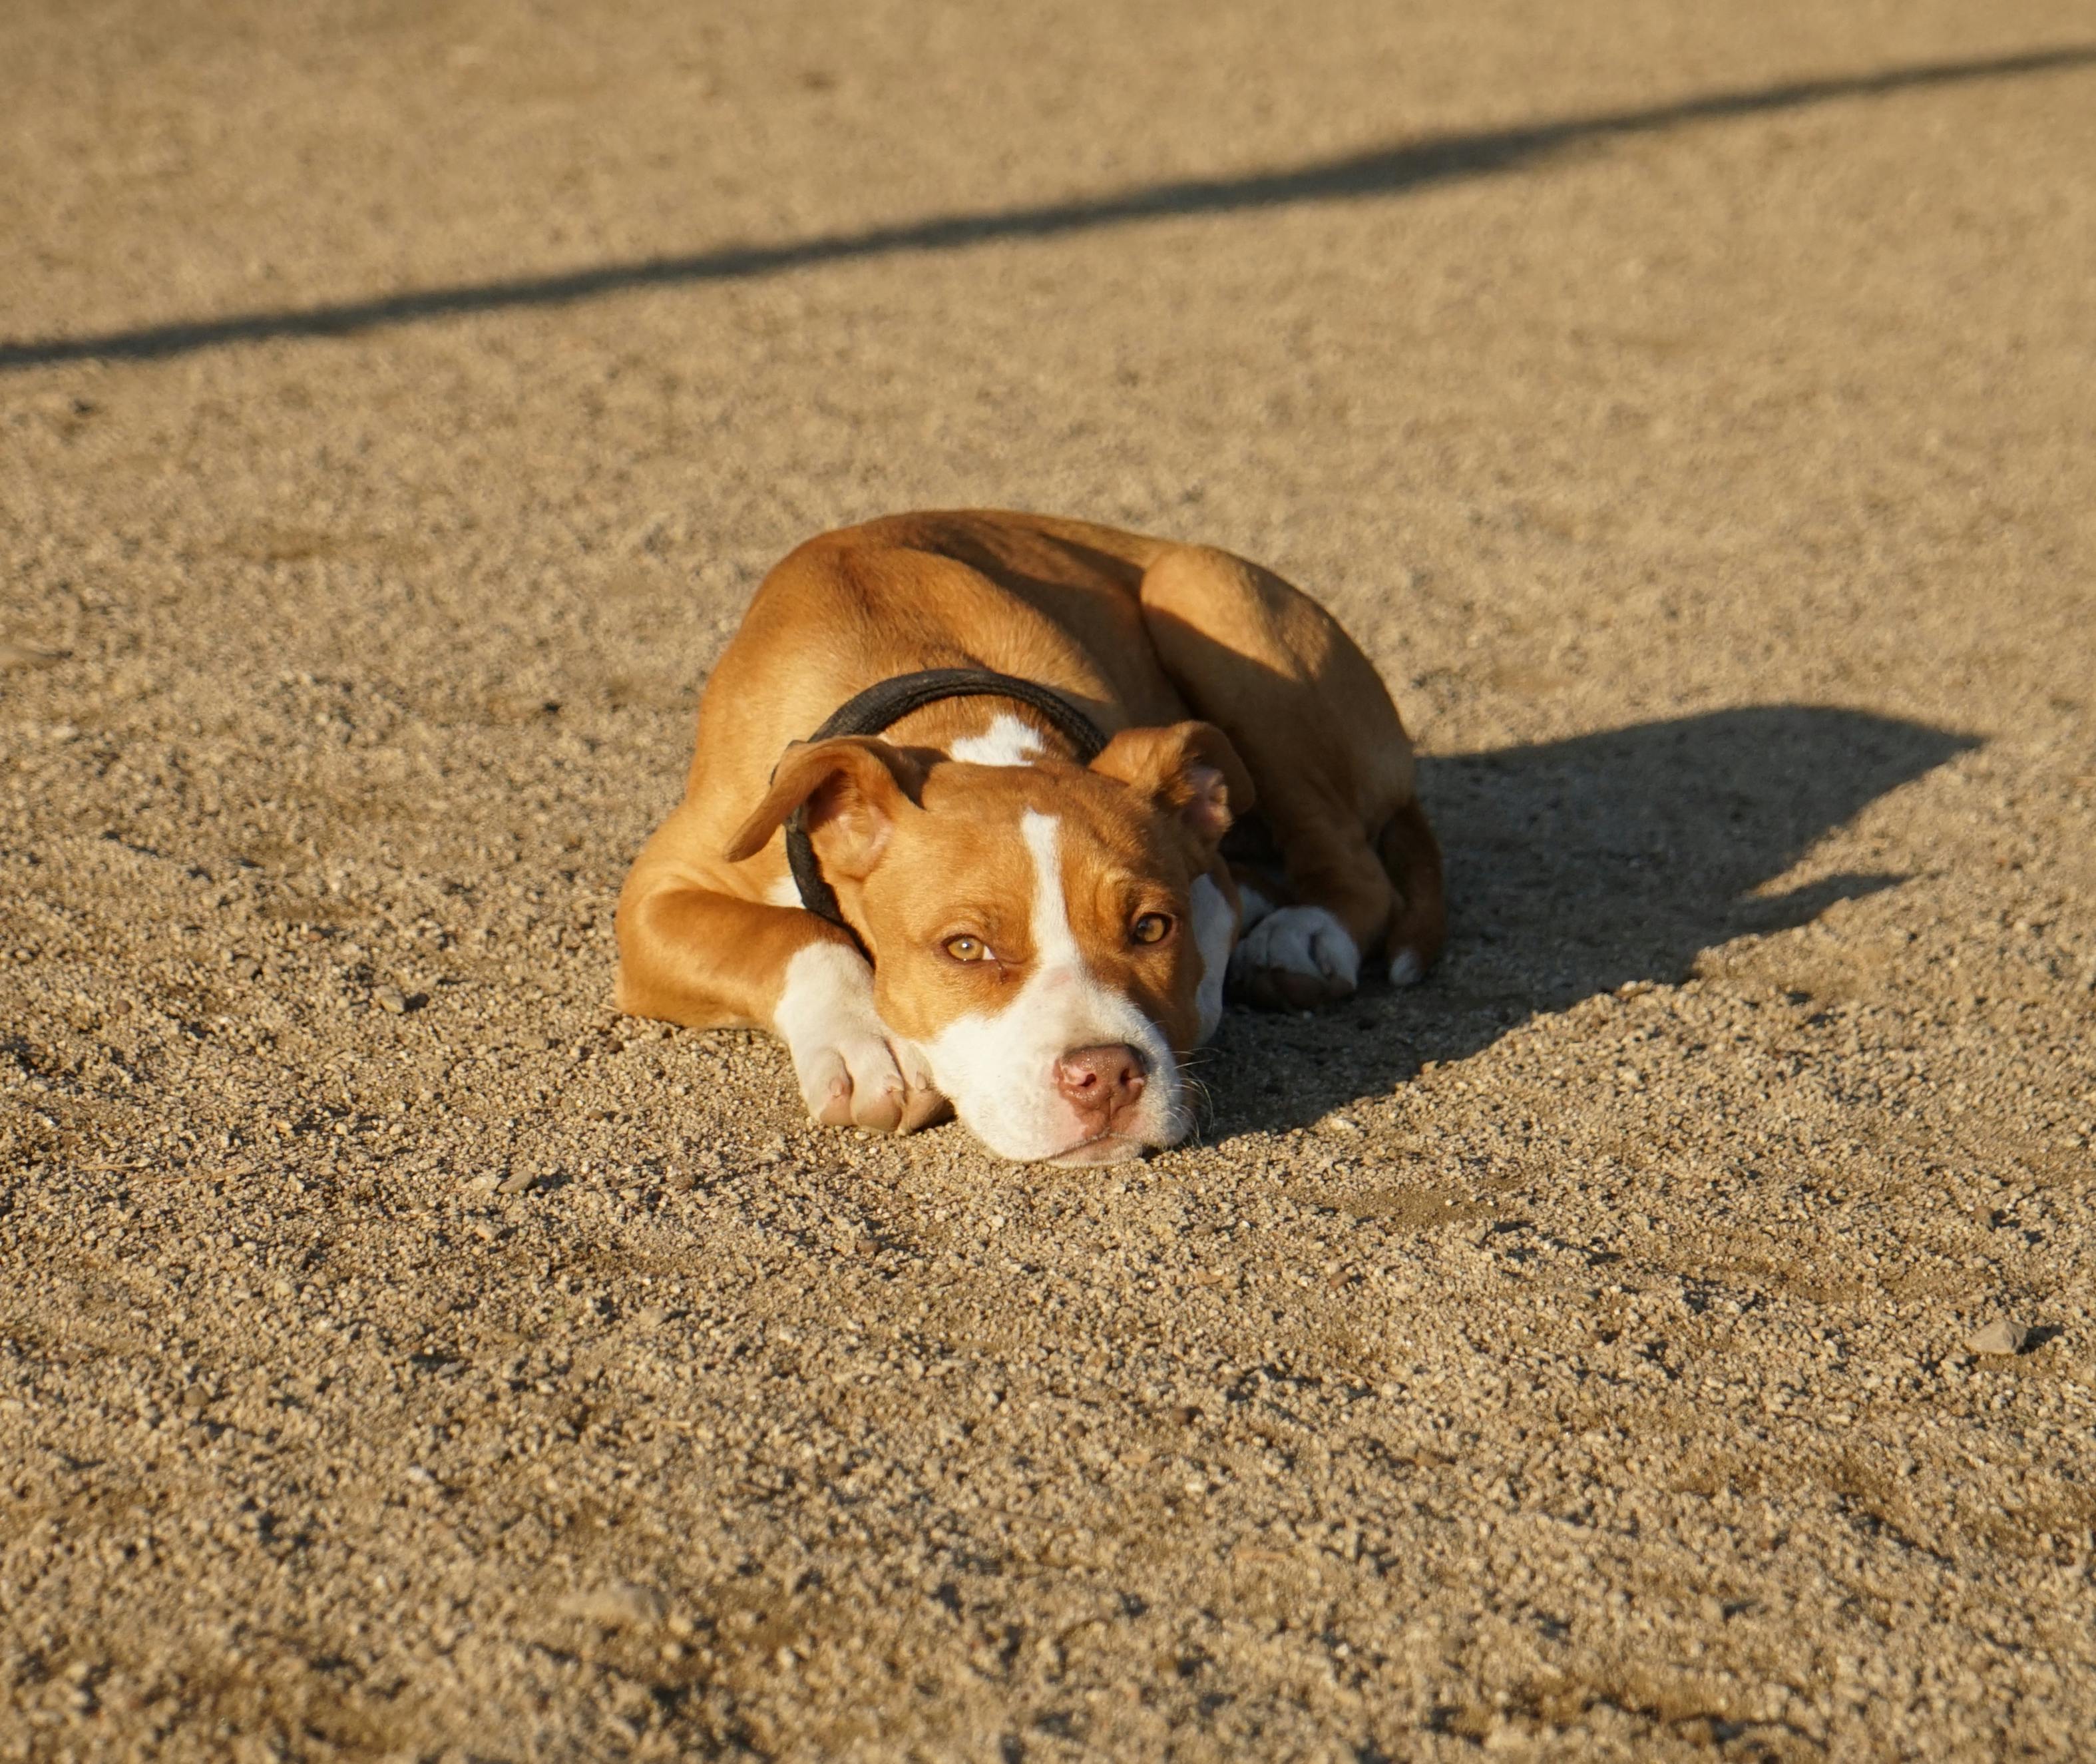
{"x": 853, "y": 788}
{"x": 1190, "y": 769}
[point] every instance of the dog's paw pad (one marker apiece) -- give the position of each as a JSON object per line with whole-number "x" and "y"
{"x": 1296, "y": 958}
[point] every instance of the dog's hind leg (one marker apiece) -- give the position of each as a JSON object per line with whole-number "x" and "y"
{"x": 1331, "y": 764}
{"x": 1412, "y": 856}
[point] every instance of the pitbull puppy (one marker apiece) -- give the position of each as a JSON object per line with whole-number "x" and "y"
{"x": 1030, "y": 941}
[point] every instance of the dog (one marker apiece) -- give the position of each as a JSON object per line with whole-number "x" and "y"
{"x": 989, "y": 812}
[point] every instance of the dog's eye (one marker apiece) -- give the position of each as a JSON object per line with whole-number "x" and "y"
{"x": 1151, "y": 927}
{"x": 968, "y": 949}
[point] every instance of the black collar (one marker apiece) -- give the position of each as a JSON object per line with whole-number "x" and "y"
{"x": 888, "y": 702}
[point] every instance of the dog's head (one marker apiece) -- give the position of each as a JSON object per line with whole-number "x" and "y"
{"x": 1051, "y": 936}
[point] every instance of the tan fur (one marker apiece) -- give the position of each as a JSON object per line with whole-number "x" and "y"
{"x": 1146, "y": 637}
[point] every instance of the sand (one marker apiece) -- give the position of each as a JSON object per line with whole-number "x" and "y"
{"x": 402, "y": 1356}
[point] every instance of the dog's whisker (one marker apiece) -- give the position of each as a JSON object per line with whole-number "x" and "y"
{"x": 1203, "y": 1116}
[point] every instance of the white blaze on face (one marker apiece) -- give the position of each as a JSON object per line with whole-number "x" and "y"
{"x": 999, "y": 1068}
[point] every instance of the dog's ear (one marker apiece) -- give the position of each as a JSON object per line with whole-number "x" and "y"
{"x": 853, "y": 788}
{"x": 1190, "y": 769}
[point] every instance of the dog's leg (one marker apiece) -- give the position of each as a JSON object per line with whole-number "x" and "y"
{"x": 693, "y": 955}
{"x": 1412, "y": 855}
{"x": 1332, "y": 766}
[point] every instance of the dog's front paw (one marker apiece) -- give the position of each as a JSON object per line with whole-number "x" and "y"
{"x": 861, "y": 1080}
{"x": 1296, "y": 958}
{"x": 852, "y": 1073}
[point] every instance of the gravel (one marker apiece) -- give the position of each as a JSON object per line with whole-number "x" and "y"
{"x": 1715, "y": 495}
{"x": 620, "y": 1605}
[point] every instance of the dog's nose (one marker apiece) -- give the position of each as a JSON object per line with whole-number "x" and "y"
{"x": 1100, "y": 1080}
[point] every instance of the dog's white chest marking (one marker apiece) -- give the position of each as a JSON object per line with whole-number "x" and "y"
{"x": 1005, "y": 742}
{"x": 1214, "y": 929}
{"x": 1255, "y": 907}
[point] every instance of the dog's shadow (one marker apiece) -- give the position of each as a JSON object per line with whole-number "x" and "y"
{"x": 1576, "y": 867}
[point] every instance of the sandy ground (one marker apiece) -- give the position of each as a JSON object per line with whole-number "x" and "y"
{"x": 1690, "y": 408}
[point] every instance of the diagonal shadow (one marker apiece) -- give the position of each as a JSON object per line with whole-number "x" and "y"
{"x": 1382, "y": 172}
{"x": 1577, "y": 866}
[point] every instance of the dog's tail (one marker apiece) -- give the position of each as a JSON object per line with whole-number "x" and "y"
{"x": 1419, "y": 925}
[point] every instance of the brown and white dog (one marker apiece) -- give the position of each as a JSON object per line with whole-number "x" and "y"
{"x": 1037, "y": 942}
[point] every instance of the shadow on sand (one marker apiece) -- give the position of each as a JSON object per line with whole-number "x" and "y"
{"x": 1380, "y": 171}
{"x": 1577, "y": 866}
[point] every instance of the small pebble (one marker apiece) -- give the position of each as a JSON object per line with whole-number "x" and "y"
{"x": 1999, "y": 1336}
{"x": 389, "y": 998}
{"x": 519, "y": 1183}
